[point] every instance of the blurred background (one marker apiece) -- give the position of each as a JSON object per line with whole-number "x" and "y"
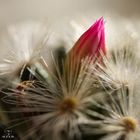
{"x": 58, "y": 14}
{"x": 57, "y": 10}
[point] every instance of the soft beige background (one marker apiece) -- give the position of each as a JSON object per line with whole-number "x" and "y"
{"x": 57, "y": 10}
{"x": 121, "y": 16}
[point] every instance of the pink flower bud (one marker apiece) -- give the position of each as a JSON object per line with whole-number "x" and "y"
{"x": 91, "y": 43}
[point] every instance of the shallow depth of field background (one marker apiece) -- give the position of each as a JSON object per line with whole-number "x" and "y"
{"x": 56, "y": 11}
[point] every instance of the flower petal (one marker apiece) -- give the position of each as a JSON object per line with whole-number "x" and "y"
{"x": 92, "y": 42}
